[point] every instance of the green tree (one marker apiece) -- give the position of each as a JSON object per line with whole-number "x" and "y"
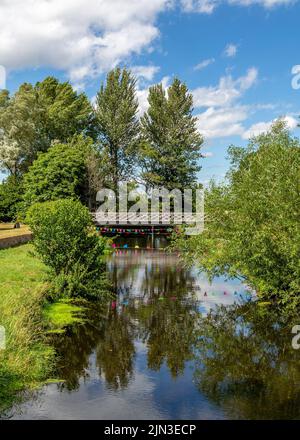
{"x": 4, "y": 98}
{"x": 37, "y": 115}
{"x": 64, "y": 171}
{"x": 11, "y": 193}
{"x": 117, "y": 124}
{"x": 22, "y": 131}
{"x": 67, "y": 113}
{"x": 66, "y": 241}
{"x": 171, "y": 143}
{"x": 252, "y": 223}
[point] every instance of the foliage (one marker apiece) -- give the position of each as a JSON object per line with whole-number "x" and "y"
{"x": 35, "y": 116}
{"x": 11, "y": 193}
{"x": 10, "y": 155}
{"x": 27, "y": 359}
{"x": 171, "y": 143}
{"x": 67, "y": 243}
{"x": 61, "y": 172}
{"x": 252, "y": 223}
{"x": 117, "y": 124}
{"x": 67, "y": 112}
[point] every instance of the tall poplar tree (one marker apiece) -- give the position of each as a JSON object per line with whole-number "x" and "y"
{"x": 171, "y": 143}
{"x": 118, "y": 124}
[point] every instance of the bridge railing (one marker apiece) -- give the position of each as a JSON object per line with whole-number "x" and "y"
{"x": 157, "y": 218}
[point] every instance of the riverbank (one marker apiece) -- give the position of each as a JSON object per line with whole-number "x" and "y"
{"x": 171, "y": 345}
{"x": 7, "y": 230}
{"x": 28, "y": 359}
{"x": 9, "y": 236}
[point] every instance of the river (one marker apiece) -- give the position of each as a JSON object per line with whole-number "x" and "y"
{"x": 153, "y": 353}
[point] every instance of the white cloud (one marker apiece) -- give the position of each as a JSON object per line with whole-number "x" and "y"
{"x": 268, "y": 4}
{"x": 207, "y": 154}
{"x": 201, "y": 6}
{"x": 247, "y": 81}
{"x": 85, "y": 39}
{"x": 79, "y": 38}
{"x": 257, "y": 129}
{"x": 142, "y": 96}
{"x": 262, "y": 127}
{"x": 93, "y": 101}
{"x": 230, "y": 50}
{"x": 208, "y": 6}
{"x": 222, "y": 122}
{"x": 146, "y": 72}
{"x": 2, "y": 77}
{"x": 226, "y": 92}
{"x": 268, "y": 106}
{"x": 204, "y": 64}
{"x": 224, "y": 115}
{"x": 291, "y": 122}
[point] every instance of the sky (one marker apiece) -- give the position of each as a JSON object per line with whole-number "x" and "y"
{"x": 239, "y": 58}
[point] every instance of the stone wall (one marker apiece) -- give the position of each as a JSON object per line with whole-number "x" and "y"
{"x": 14, "y": 241}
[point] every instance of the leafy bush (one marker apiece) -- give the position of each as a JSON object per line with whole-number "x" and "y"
{"x": 59, "y": 173}
{"x": 252, "y": 222}
{"x": 11, "y": 192}
{"x": 67, "y": 243}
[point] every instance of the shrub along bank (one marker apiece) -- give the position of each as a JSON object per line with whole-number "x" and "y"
{"x": 38, "y": 286}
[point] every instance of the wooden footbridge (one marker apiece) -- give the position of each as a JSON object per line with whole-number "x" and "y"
{"x": 127, "y": 223}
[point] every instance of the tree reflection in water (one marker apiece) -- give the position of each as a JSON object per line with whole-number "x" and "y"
{"x": 246, "y": 363}
{"x": 155, "y": 304}
{"x": 242, "y": 355}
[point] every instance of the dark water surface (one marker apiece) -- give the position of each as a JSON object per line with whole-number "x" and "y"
{"x": 154, "y": 354}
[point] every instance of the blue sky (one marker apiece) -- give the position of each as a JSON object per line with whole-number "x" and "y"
{"x": 236, "y": 56}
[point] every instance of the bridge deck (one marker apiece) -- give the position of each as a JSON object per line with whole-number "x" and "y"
{"x": 143, "y": 219}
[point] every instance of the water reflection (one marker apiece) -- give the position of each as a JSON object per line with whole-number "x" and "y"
{"x": 155, "y": 303}
{"x": 164, "y": 305}
{"x": 246, "y": 363}
{"x": 155, "y": 351}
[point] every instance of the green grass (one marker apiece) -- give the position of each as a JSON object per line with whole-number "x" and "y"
{"x": 28, "y": 359}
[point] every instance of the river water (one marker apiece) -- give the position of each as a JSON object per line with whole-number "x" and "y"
{"x": 154, "y": 353}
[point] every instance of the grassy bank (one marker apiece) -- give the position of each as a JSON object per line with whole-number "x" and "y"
{"x": 27, "y": 359}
